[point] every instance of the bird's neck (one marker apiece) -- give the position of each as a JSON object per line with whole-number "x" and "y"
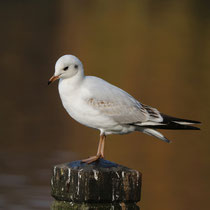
{"x": 72, "y": 83}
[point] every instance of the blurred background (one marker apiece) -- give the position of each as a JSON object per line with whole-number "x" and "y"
{"x": 157, "y": 50}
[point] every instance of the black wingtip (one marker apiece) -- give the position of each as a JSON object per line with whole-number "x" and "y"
{"x": 195, "y": 128}
{"x": 190, "y": 121}
{"x": 167, "y": 119}
{"x": 173, "y": 126}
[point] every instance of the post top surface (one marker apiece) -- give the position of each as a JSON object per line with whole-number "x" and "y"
{"x": 101, "y": 163}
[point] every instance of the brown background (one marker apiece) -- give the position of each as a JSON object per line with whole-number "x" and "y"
{"x": 158, "y": 51}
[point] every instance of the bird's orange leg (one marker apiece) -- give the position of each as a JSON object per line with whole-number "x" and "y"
{"x": 102, "y": 146}
{"x": 99, "y": 147}
{"x": 100, "y": 151}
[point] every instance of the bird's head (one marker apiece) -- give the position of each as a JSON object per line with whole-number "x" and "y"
{"x": 66, "y": 66}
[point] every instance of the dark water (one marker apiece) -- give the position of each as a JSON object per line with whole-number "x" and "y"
{"x": 25, "y": 179}
{"x": 158, "y": 51}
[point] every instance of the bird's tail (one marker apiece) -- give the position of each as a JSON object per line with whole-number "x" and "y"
{"x": 153, "y": 132}
{"x": 171, "y": 123}
{"x": 174, "y": 123}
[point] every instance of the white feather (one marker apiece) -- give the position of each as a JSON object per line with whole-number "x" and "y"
{"x": 183, "y": 123}
{"x": 149, "y": 123}
{"x": 155, "y": 133}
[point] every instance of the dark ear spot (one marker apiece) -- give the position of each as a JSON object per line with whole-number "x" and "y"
{"x": 65, "y": 68}
{"x": 76, "y": 66}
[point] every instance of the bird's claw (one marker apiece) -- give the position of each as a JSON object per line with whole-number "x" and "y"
{"x": 92, "y": 159}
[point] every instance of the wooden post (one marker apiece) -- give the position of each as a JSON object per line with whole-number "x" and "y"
{"x": 99, "y": 185}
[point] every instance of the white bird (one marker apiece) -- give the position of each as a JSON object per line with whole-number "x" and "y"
{"x": 97, "y": 104}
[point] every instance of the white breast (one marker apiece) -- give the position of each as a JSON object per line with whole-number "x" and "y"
{"x": 75, "y": 101}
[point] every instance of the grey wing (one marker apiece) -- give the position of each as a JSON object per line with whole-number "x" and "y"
{"x": 121, "y": 111}
{"x": 123, "y": 108}
{"x": 117, "y": 104}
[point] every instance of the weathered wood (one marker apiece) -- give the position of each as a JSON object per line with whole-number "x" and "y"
{"x": 99, "y": 182}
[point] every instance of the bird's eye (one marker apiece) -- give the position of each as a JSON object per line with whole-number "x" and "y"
{"x": 76, "y": 66}
{"x": 65, "y": 68}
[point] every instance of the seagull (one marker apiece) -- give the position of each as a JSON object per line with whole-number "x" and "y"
{"x": 98, "y": 104}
